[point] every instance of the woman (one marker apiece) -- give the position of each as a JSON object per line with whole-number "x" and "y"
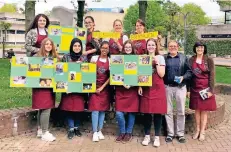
{"x": 127, "y": 101}
{"x": 99, "y": 102}
{"x": 43, "y": 99}
{"x": 116, "y": 45}
{"x": 92, "y": 45}
{"x": 203, "y": 78}
{"x": 153, "y": 99}
{"x": 73, "y": 103}
{"x": 36, "y": 33}
{"x": 140, "y": 45}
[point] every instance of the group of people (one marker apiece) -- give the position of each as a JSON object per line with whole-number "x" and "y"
{"x": 153, "y": 102}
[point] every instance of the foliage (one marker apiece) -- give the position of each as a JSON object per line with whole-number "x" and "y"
{"x": 5, "y": 26}
{"x": 9, "y": 8}
{"x": 224, "y": 3}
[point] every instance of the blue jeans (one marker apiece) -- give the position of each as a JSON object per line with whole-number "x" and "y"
{"x": 122, "y": 124}
{"x": 97, "y": 118}
{"x": 72, "y": 120}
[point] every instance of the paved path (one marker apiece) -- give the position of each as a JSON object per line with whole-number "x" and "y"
{"x": 217, "y": 140}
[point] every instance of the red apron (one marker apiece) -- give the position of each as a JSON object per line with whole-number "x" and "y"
{"x": 38, "y": 43}
{"x": 140, "y": 46}
{"x": 154, "y": 97}
{"x": 200, "y": 81}
{"x": 127, "y": 100}
{"x": 100, "y": 102}
{"x": 113, "y": 47}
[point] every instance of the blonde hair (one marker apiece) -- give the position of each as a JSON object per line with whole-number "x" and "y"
{"x": 42, "y": 51}
{"x": 173, "y": 41}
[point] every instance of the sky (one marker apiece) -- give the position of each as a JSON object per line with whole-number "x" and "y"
{"x": 211, "y": 8}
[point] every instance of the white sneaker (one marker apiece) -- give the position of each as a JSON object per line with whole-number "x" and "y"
{"x": 100, "y": 135}
{"x": 47, "y": 136}
{"x": 39, "y": 133}
{"x": 146, "y": 140}
{"x": 95, "y": 137}
{"x": 156, "y": 142}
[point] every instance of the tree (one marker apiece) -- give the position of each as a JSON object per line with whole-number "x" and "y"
{"x": 29, "y": 12}
{"x": 80, "y": 13}
{"x": 4, "y": 26}
{"x": 143, "y": 4}
{"x": 9, "y": 8}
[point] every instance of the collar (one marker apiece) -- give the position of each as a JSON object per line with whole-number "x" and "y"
{"x": 177, "y": 56}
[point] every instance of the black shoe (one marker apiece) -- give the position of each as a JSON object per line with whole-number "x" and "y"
{"x": 70, "y": 134}
{"x": 181, "y": 139}
{"x": 77, "y": 132}
{"x": 169, "y": 139}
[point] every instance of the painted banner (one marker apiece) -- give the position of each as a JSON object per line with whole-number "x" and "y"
{"x": 105, "y": 35}
{"x": 143, "y": 36}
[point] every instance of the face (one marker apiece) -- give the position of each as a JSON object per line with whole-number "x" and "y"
{"x": 139, "y": 28}
{"x": 42, "y": 83}
{"x": 118, "y": 26}
{"x": 128, "y": 48}
{"x": 89, "y": 23}
{"x": 42, "y": 22}
{"x": 77, "y": 47}
{"x": 48, "y": 46}
{"x": 151, "y": 46}
{"x": 48, "y": 81}
{"x": 200, "y": 50}
{"x": 104, "y": 49}
{"x": 173, "y": 48}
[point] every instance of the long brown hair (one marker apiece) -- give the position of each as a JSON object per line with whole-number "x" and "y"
{"x": 157, "y": 46}
{"x": 42, "y": 51}
{"x": 133, "y": 48}
{"x": 34, "y": 23}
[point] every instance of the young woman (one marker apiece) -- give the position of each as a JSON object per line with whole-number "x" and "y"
{"x": 73, "y": 103}
{"x": 153, "y": 99}
{"x": 203, "y": 78}
{"x": 99, "y": 101}
{"x": 140, "y": 45}
{"x": 127, "y": 101}
{"x": 36, "y": 33}
{"x": 92, "y": 45}
{"x": 117, "y": 45}
{"x": 44, "y": 98}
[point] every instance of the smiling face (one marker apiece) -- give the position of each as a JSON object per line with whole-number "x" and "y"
{"x": 139, "y": 28}
{"x": 151, "y": 46}
{"x": 48, "y": 46}
{"x": 200, "y": 50}
{"x": 104, "y": 49}
{"x": 89, "y": 24}
{"x": 77, "y": 47}
{"x": 42, "y": 22}
{"x": 173, "y": 48}
{"x": 118, "y": 27}
{"x": 128, "y": 48}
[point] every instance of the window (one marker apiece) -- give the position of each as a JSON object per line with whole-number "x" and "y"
{"x": 10, "y": 31}
{"x": 20, "y": 32}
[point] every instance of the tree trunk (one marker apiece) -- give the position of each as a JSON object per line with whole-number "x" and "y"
{"x": 29, "y": 12}
{"x": 80, "y": 13}
{"x": 143, "y": 4}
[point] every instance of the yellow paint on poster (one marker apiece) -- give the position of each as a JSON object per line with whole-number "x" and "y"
{"x": 148, "y": 83}
{"x": 65, "y": 42}
{"x": 144, "y": 36}
{"x": 33, "y": 74}
{"x": 53, "y": 27}
{"x": 92, "y": 90}
{"x": 130, "y": 72}
{"x": 92, "y": 67}
{"x": 65, "y": 67}
{"x": 15, "y": 85}
{"x": 68, "y": 30}
{"x": 14, "y": 61}
{"x": 78, "y": 77}
{"x": 113, "y": 35}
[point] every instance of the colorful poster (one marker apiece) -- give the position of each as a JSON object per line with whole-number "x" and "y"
{"x": 131, "y": 70}
{"x": 62, "y": 36}
{"x": 75, "y": 77}
{"x": 32, "y": 72}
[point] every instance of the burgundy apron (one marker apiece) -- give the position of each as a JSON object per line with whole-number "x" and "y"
{"x": 100, "y": 102}
{"x": 89, "y": 45}
{"x": 72, "y": 101}
{"x": 38, "y": 43}
{"x": 200, "y": 81}
{"x": 127, "y": 100}
{"x": 154, "y": 97}
{"x": 42, "y": 98}
{"x": 113, "y": 47}
{"x": 140, "y": 46}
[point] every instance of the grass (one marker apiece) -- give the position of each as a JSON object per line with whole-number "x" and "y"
{"x": 21, "y": 97}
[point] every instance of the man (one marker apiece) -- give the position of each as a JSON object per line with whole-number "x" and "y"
{"x": 176, "y": 75}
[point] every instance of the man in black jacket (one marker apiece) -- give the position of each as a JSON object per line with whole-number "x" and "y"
{"x": 176, "y": 76}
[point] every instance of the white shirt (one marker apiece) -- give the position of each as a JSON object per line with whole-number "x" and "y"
{"x": 42, "y": 31}
{"x": 95, "y": 58}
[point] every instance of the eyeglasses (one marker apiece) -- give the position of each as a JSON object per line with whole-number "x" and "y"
{"x": 173, "y": 46}
{"x": 128, "y": 48}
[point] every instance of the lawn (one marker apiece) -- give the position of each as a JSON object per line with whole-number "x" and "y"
{"x": 21, "y": 97}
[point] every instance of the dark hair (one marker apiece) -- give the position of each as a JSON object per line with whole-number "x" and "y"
{"x": 34, "y": 23}
{"x": 92, "y": 19}
{"x": 75, "y": 56}
{"x": 128, "y": 42}
{"x": 141, "y": 22}
{"x": 103, "y": 43}
{"x": 199, "y": 43}
{"x": 157, "y": 46}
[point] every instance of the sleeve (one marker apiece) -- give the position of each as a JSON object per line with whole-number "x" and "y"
{"x": 188, "y": 72}
{"x": 94, "y": 59}
{"x": 29, "y": 40}
{"x": 125, "y": 38}
{"x": 161, "y": 60}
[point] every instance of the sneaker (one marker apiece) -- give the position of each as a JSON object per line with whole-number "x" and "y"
{"x": 77, "y": 132}
{"x": 156, "y": 142}
{"x": 169, "y": 139}
{"x": 127, "y": 137}
{"x": 100, "y": 135}
{"x": 146, "y": 140}
{"x": 95, "y": 137}
{"x": 47, "y": 136}
{"x": 181, "y": 139}
{"x": 70, "y": 134}
{"x": 39, "y": 133}
{"x": 120, "y": 138}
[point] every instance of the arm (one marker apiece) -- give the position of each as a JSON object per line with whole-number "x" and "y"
{"x": 187, "y": 69}
{"x": 160, "y": 66}
{"x": 29, "y": 42}
{"x": 103, "y": 86}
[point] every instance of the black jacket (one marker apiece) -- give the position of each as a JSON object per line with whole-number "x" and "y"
{"x": 184, "y": 71}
